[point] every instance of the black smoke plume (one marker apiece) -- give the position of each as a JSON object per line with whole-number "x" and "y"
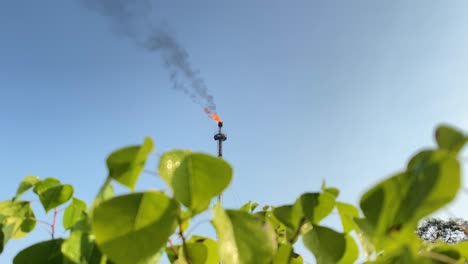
{"x": 131, "y": 19}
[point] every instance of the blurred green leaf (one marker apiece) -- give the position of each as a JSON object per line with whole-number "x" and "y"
{"x": 169, "y": 162}
{"x": 140, "y": 223}
{"x": 291, "y": 217}
{"x": 286, "y": 255}
{"x": 198, "y": 179}
{"x": 74, "y": 213}
{"x": 27, "y": 183}
{"x": 331, "y": 190}
{"x": 52, "y": 193}
{"x": 47, "y": 252}
{"x": 79, "y": 248}
{"x": 243, "y": 238}
{"x": 347, "y": 213}
{"x": 249, "y": 207}
{"x": 126, "y": 164}
{"x": 316, "y": 206}
{"x": 351, "y": 253}
{"x": 449, "y": 138}
{"x": 327, "y": 245}
{"x": 17, "y": 219}
{"x": 207, "y": 255}
{"x": 431, "y": 181}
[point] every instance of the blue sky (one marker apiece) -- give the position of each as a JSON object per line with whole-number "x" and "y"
{"x": 343, "y": 91}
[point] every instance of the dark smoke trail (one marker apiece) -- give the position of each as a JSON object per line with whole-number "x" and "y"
{"x": 130, "y": 18}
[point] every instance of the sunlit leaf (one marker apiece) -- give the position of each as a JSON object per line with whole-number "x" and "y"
{"x": 351, "y": 253}
{"x": 74, "y": 213}
{"x": 52, "y": 193}
{"x": 243, "y": 238}
{"x": 169, "y": 162}
{"x": 126, "y": 164}
{"x": 347, "y": 213}
{"x": 140, "y": 223}
{"x": 17, "y": 219}
{"x": 200, "y": 178}
{"x": 317, "y": 206}
{"x": 79, "y": 248}
{"x": 291, "y": 217}
{"x": 27, "y": 183}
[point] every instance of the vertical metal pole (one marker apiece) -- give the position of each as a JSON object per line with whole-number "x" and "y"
{"x": 220, "y": 137}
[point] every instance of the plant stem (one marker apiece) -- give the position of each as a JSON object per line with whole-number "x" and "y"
{"x": 298, "y": 231}
{"x": 54, "y": 221}
{"x": 184, "y": 242}
{"x": 173, "y": 248}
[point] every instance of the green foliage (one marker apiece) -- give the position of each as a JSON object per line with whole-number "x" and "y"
{"x": 126, "y": 164}
{"x": 140, "y": 223}
{"x": 140, "y": 227}
{"x": 198, "y": 179}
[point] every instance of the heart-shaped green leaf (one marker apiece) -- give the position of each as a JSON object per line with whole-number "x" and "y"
{"x": 198, "y": 179}
{"x": 17, "y": 219}
{"x": 27, "y": 183}
{"x": 169, "y": 162}
{"x": 140, "y": 223}
{"x": 126, "y": 164}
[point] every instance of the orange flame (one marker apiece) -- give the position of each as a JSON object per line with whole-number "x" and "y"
{"x": 213, "y": 116}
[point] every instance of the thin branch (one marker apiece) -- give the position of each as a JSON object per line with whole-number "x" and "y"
{"x": 298, "y": 231}
{"x": 184, "y": 242}
{"x": 173, "y": 248}
{"x": 54, "y": 222}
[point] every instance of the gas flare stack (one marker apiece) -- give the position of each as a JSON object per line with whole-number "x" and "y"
{"x": 220, "y": 137}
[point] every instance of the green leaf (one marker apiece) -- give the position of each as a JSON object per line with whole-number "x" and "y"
{"x": 198, "y": 179}
{"x": 17, "y": 219}
{"x": 331, "y": 190}
{"x": 169, "y": 162}
{"x": 74, "y": 213}
{"x": 249, "y": 207}
{"x": 27, "y": 183}
{"x": 126, "y": 164}
{"x": 327, "y": 245}
{"x": 347, "y": 212}
{"x": 52, "y": 193}
{"x": 351, "y": 252}
{"x": 210, "y": 247}
{"x": 201, "y": 250}
{"x": 243, "y": 238}
{"x": 80, "y": 248}
{"x": 47, "y": 252}
{"x": 291, "y": 217}
{"x": 283, "y": 254}
{"x": 449, "y": 138}
{"x": 140, "y": 223}
{"x": 316, "y": 206}
{"x": 431, "y": 181}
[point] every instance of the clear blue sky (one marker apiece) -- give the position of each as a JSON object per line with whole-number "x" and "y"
{"x": 309, "y": 90}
